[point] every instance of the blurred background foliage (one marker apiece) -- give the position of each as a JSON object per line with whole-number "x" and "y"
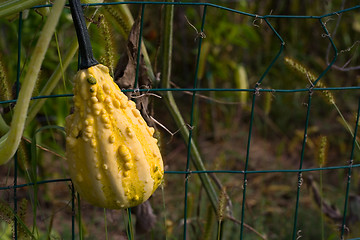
{"x": 236, "y": 51}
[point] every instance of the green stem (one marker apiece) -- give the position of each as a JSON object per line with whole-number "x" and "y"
{"x": 4, "y": 128}
{"x": 10, "y": 142}
{"x": 129, "y": 231}
{"x": 174, "y": 110}
{"x": 195, "y": 155}
{"x": 53, "y": 81}
{"x": 47, "y": 89}
{"x": 167, "y": 46}
{"x": 321, "y": 204}
{"x": 219, "y": 230}
{"x": 14, "y": 6}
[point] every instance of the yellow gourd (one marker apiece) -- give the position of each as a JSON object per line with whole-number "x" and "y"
{"x": 113, "y": 158}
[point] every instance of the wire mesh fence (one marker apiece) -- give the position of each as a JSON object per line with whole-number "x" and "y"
{"x": 233, "y": 164}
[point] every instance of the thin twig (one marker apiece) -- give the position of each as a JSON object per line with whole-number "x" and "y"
{"x": 44, "y": 148}
{"x": 343, "y": 68}
{"x": 258, "y": 110}
{"x": 334, "y": 32}
{"x": 198, "y": 34}
{"x": 208, "y": 98}
{"x": 247, "y": 226}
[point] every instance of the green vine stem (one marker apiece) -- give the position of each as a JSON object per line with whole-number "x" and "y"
{"x": 14, "y": 6}
{"x": 174, "y": 110}
{"x": 56, "y": 75}
{"x": 10, "y": 141}
{"x": 5, "y": 94}
{"x": 48, "y": 87}
{"x": 4, "y": 128}
{"x": 53, "y": 81}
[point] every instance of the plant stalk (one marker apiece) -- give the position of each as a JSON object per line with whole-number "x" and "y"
{"x": 174, "y": 110}
{"x": 4, "y": 128}
{"x": 52, "y": 82}
{"x": 10, "y": 141}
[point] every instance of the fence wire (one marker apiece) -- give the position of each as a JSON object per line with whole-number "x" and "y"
{"x": 256, "y": 91}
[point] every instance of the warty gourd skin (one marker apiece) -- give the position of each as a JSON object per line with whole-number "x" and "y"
{"x": 113, "y": 158}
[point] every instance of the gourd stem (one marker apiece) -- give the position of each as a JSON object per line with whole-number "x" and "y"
{"x": 86, "y": 55}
